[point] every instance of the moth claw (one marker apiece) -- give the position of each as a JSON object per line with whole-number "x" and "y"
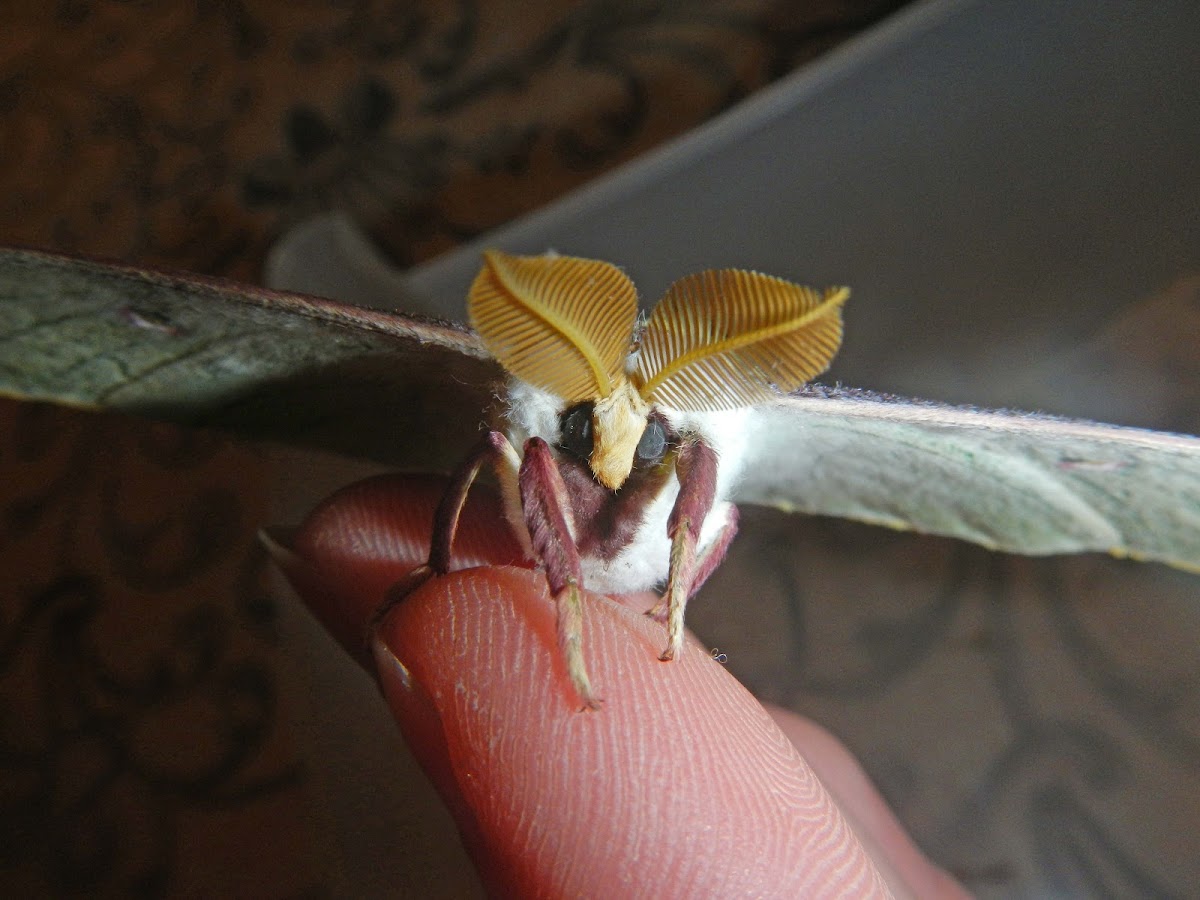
{"x": 398, "y": 591}
{"x": 569, "y": 604}
{"x": 674, "y": 646}
{"x": 658, "y": 612}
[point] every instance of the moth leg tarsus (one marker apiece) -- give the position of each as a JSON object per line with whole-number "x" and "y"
{"x": 696, "y": 468}
{"x": 544, "y": 501}
{"x": 491, "y": 446}
{"x": 692, "y": 571}
{"x": 396, "y": 593}
{"x": 658, "y": 612}
{"x": 569, "y": 604}
{"x": 683, "y": 553}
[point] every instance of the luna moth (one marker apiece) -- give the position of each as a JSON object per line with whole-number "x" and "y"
{"x": 411, "y": 392}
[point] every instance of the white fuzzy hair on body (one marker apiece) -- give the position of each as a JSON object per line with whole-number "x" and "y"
{"x": 643, "y": 564}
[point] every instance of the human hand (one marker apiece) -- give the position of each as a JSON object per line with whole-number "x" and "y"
{"x": 682, "y": 785}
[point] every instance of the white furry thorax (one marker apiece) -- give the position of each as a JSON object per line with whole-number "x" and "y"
{"x": 532, "y": 412}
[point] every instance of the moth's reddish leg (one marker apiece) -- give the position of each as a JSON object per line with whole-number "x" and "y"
{"x": 544, "y": 500}
{"x": 491, "y": 447}
{"x": 705, "y": 564}
{"x": 696, "y": 468}
{"x": 715, "y": 552}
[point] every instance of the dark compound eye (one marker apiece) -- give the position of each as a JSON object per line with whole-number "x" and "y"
{"x": 575, "y": 431}
{"x": 653, "y": 444}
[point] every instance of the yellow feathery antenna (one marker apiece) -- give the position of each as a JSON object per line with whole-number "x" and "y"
{"x": 561, "y": 323}
{"x": 727, "y": 338}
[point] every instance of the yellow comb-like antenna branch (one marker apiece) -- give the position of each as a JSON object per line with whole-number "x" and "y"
{"x": 727, "y": 338}
{"x": 561, "y": 323}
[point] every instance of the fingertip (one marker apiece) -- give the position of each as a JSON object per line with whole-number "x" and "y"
{"x": 873, "y": 820}
{"x": 680, "y": 770}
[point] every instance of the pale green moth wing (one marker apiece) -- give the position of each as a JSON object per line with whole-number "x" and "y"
{"x": 1016, "y": 482}
{"x": 301, "y": 370}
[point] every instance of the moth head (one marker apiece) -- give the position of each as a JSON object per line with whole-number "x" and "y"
{"x": 718, "y": 340}
{"x": 618, "y": 423}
